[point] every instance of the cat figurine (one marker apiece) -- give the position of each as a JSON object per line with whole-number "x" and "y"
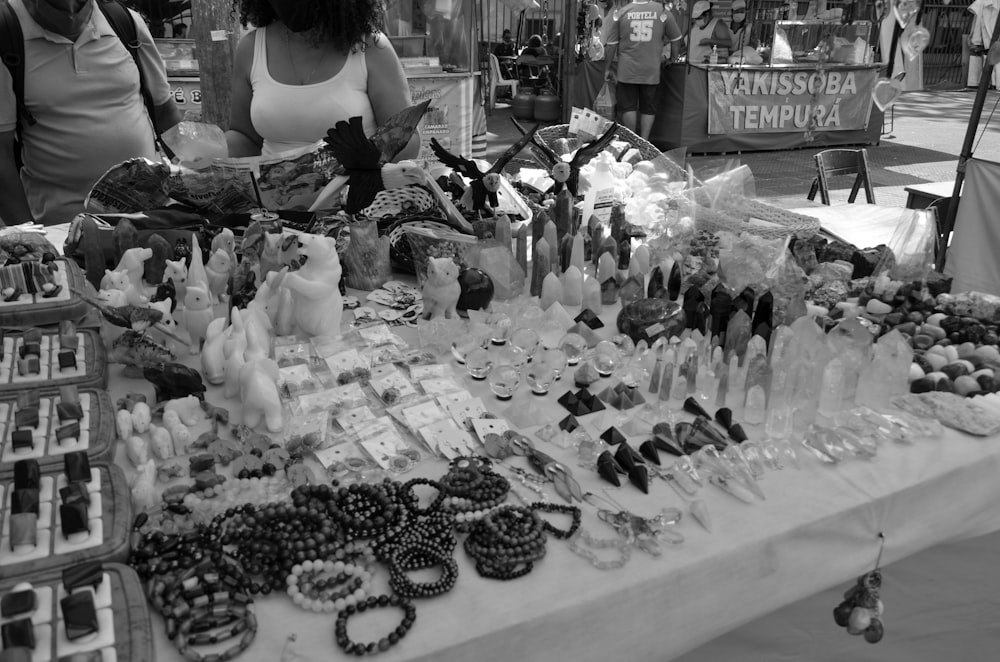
{"x": 217, "y": 269}
{"x": 198, "y": 314}
{"x": 177, "y": 271}
{"x": 441, "y": 289}
{"x": 119, "y": 280}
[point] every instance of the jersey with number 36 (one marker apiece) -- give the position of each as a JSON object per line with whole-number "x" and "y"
{"x": 641, "y": 29}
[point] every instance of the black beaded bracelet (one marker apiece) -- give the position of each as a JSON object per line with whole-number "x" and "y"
{"x": 383, "y": 644}
{"x": 410, "y": 497}
{"x": 573, "y": 511}
{"x": 417, "y": 556}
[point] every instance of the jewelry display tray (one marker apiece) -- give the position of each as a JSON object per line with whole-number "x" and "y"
{"x": 100, "y": 429}
{"x": 129, "y": 610}
{"x": 36, "y": 310}
{"x": 111, "y": 520}
{"x": 90, "y": 352}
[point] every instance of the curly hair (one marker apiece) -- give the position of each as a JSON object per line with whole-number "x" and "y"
{"x": 348, "y": 23}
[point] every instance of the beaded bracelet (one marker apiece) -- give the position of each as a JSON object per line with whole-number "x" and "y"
{"x": 559, "y": 508}
{"x": 383, "y": 644}
{"x": 417, "y": 556}
{"x": 410, "y": 497}
{"x": 622, "y": 545}
{"x": 355, "y": 590}
{"x": 184, "y": 645}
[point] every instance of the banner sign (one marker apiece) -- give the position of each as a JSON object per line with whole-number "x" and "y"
{"x": 781, "y": 100}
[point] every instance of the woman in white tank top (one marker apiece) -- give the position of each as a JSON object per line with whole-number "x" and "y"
{"x": 310, "y": 64}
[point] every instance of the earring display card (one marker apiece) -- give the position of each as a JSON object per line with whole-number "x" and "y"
{"x": 45, "y": 293}
{"x": 63, "y": 426}
{"x": 109, "y": 621}
{"x": 32, "y": 360}
{"x": 85, "y": 520}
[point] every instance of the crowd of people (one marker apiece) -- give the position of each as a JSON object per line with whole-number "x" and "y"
{"x": 76, "y": 103}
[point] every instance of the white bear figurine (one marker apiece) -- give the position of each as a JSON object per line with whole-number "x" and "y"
{"x": 188, "y": 410}
{"x": 218, "y": 268}
{"x": 259, "y": 394}
{"x": 441, "y": 289}
{"x": 316, "y": 289}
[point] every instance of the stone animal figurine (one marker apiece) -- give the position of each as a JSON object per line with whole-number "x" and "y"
{"x": 259, "y": 394}
{"x": 133, "y": 261}
{"x": 198, "y": 314}
{"x": 119, "y": 280}
{"x": 441, "y": 289}
{"x": 177, "y": 272}
{"x": 315, "y": 289}
{"x": 218, "y": 269}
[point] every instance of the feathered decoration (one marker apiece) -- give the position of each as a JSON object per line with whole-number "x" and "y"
{"x": 567, "y": 173}
{"x": 484, "y": 185}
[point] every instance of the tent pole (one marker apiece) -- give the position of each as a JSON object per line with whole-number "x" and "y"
{"x": 966, "y": 154}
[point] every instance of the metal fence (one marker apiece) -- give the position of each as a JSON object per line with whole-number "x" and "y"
{"x": 946, "y": 57}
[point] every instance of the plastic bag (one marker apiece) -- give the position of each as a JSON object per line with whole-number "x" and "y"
{"x": 912, "y": 247}
{"x": 604, "y": 104}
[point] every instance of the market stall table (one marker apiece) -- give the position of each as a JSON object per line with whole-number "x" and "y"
{"x": 817, "y": 529}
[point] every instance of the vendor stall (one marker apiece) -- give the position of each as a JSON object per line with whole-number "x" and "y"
{"x": 749, "y": 108}
{"x": 434, "y": 41}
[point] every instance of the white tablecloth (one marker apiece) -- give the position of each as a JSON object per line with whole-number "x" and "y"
{"x": 817, "y": 530}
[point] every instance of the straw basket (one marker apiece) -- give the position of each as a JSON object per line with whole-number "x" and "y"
{"x": 550, "y": 134}
{"x": 757, "y": 218}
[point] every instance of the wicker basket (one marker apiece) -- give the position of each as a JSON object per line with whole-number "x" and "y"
{"x": 403, "y": 201}
{"x": 550, "y": 134}
{"x": 777, "y": 223}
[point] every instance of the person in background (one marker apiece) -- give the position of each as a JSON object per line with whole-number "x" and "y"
{"x": 82, "y": 89}
{"x": 706, "y": 32}
{"x": 306, "y": 66}
{"x": 640, "y": 33}
{"x": 506, "y": 47}
{"x": 739, "y": 27}
{"x": 535, "y": 46}
{"x": 180, "y": 31}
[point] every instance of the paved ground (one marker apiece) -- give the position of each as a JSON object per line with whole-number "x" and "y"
{"x": 921, "y": 141}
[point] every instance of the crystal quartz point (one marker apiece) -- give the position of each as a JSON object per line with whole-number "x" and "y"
{"x": 695, "y": 309}
{"x": 756, "y": 347}
{"x": 667, "y": 378}
{"x": 592, "y": 295}
{"x": 659, "y": 349}
{"x": 572, "y": 281}
{"x": 640, "y": 258}
{"x": 780, "y": 339}
{"x": 576, "y": 254}
{"x": 722, "y": 383}
{"x": 521, "y": 252}
{"x": 631, "y": 290}
{"x": 831, "y": 389}
{"x": 657, "y": 286}
{"x": 539, "y": 266}
{"x": 825, "y": 444}
{"x": 552, "y": 291}
{"x": 720, "y": 308}
{"x": 737, "y": 385}
{"x": 851, "y": 341}
{"x": 755, "y": 404}
{"x": 807, "y": 356}
{"x": 691, "y": 373}
{"x": 551, "y": 235}
{"x": 738, "y": 335}
{"x": 887, "y": 375}
{"x": 763, "y": 314}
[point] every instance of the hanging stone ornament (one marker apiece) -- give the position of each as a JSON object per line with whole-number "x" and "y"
{"x": 862, "y": 608}
{"x": 905, "y": 10}
{"x": 914, "y": 40}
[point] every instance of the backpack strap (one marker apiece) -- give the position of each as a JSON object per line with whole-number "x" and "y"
{"x": 12, "y": 54}
{"x": 121, "y": 22}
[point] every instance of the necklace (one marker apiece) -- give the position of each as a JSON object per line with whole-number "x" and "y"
{"x": 291, "y": 59}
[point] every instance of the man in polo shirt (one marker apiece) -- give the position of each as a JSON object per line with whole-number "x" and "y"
{"x": 641, "y": 33}
{"x": 81, "y": 86}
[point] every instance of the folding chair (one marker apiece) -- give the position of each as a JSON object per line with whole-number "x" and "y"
{"x": 842, "y": 162}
